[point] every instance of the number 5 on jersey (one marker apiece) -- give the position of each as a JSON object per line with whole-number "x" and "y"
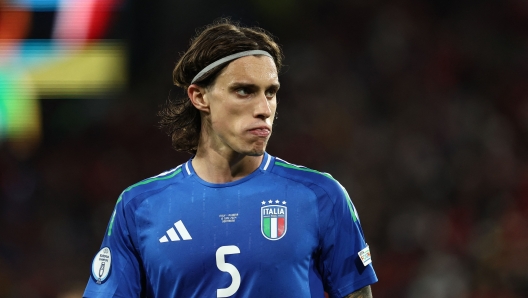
{"x": 229, "y": 268}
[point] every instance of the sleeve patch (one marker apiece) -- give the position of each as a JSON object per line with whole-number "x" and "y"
{"x": 101, "y": 265}
{"x": 364, "y": 255}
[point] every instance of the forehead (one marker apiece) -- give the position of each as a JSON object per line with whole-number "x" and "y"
{"x": 250, "y": 69}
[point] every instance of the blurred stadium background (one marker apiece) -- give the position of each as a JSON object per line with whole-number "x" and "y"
{"x": 418, "y": 107}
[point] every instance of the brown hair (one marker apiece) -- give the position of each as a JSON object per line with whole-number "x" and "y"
{"x": 179, "y": 118}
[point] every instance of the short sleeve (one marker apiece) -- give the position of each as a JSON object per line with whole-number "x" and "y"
{"x": 116, "y": 268}
{"x": 342, "y": 241}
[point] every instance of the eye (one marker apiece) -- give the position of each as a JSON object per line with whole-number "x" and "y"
{"x": 242, "y": 91}
{"x": 271, "y": 93}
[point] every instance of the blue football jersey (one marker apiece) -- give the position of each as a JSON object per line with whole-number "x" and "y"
{"x": 282, "y": 231}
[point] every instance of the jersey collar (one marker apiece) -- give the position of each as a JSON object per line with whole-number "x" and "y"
{"x": 265, "y": 166}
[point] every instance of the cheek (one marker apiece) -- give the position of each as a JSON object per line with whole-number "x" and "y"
{"x": 225, "y": 117}
{"x": 273, "y": 108}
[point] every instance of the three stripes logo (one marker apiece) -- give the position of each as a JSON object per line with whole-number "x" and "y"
{"x": 173, "y": 236}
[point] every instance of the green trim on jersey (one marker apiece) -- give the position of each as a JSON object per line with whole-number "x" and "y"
{"x": 350, "y": 206}
{"x": 301, "y": 168}
{"x": 146, "y": 181}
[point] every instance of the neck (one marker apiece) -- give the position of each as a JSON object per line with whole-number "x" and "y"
{"x": 222, "y": 167}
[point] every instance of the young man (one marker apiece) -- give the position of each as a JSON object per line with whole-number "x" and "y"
{"x": 233, "y": 221}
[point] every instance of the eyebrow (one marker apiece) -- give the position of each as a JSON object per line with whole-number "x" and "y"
{"x": 253, "y": 86}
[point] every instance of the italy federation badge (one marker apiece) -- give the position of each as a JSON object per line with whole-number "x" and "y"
{"x": 101, "y": 265}
{"x": 273, "y": 219}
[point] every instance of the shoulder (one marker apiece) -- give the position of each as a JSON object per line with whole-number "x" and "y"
{"x": 309, "y": 177}
{"x": 150, "y": 185}
{"x": 327, "y": 189}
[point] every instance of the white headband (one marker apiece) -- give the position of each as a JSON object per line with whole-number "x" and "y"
{"x": 229, "y": 58}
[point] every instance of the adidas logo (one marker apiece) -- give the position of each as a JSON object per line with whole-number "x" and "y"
{"x": 173, "y": 236}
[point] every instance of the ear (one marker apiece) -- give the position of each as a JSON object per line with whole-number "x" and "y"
{"x": 197, "y": 96}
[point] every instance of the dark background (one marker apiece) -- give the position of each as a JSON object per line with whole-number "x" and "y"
{"x": 419, "y": 108}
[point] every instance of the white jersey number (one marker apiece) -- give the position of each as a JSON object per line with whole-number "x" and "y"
{"x": 229, "y": 268}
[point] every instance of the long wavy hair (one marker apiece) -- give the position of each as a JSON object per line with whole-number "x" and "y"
{"x": 179, "y": 118}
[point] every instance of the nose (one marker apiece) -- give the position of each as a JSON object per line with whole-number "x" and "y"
{"x": 264, "y": 107}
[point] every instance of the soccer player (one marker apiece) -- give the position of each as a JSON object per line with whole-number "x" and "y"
{"x": 233, "y": 221}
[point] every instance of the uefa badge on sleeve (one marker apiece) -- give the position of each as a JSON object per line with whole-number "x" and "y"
{"x": 364, "y": 255}
{"x": 273, "y": 219}
{"x": 101, "y": 265}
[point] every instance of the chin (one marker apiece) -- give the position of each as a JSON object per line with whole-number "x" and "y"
{"x": 255, "y": 153}
{"x": 255, "y": 149}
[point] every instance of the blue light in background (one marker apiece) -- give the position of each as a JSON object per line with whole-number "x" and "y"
{"x": 35, "y": 5}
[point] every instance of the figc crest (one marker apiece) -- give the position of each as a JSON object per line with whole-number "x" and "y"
{"x": 273, "y": 219}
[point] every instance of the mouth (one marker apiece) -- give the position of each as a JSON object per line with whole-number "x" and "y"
{"x": 261, "y": 131}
